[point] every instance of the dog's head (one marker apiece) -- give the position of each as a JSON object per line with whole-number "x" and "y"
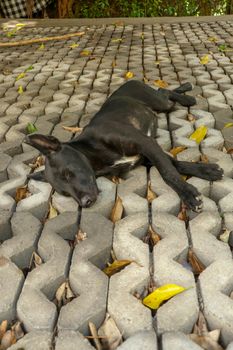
{"x": 66, "y": 169}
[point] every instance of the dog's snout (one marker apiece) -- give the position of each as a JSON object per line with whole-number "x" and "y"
{"x": 86, "y": 201}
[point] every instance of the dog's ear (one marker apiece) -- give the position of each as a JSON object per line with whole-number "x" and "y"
{"x": 45, "y": 144}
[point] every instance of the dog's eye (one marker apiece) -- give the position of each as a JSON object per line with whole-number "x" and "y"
{"x": 67, "y": 174}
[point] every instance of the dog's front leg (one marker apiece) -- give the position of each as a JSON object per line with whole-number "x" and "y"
{"x": 149, "y": 148}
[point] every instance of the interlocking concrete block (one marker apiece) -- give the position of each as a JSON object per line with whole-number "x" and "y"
{"x": 7, "y": 192}
{"x": 222, "y": 192}
{"x": 25, "y": 233}
{"x": 4, "y": 163}
{"x": 72, "y": 340}
{"x": 166, "y": 199}
{"x": 164, "y": 139}
{"x": 37, "y": 202}
{"x": 203, "y": 118}
{"x": 168, "y": 256}
{"x": 35, "y": 308}
{"x": 228, "y": 137}
{"x": 103, "y": 205}
{"x": 178, "y": 341}
{"x": 89, "y": 258}
{"x": 39, "y": 340}
{"x": 204, "y": 230}
{"x": 145, "y": 340}
{"x": 213, "y": 139}
{"x": 11, "y": 283}
{"x": 216, "y": 284}
{"x": 19, "y": 164}
{"x": 128, "y": 312}
{"x": 132, "y": 191}
{"x": 222, "y": 118}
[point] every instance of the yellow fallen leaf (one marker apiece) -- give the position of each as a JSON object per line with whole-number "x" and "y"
{"x": 199, "y": 134}
{"x": 85, "y": 53}
{"x": 228, "y": 125}
{"x": 41, "y": 47}
{"x": 212, "y": 39}
{"x": 74, "y": 45}
{"x": 129, "y": 75}
{"x": 20, "y": 76}
{"x": 205, "y": 59}
{"x": 117, "y": 210}
{"x": 116, "y": 266}
{"x": 116, "y": 40}
{"x": 161, "y": 83}
{"x": 157, "y": 62}
{"x": 52, "y": 212}
{"x": 165, "y": 292}
{"x": 176, "y": 150}
{"x": 20, "y": 89}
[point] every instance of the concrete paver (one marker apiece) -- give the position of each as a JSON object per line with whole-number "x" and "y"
{"x": 65, "y": 86}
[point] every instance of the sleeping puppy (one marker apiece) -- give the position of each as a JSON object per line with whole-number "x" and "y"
{"x": 119, "y": 137}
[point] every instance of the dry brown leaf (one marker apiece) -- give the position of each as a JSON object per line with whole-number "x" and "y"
{"x": 73, "y": 129}
{"x": 21, "y": 193}
{"x": 114, "y": 64}
{"x": 161, "y": 83}
{"x": 3, "y": 328}
{"x": 64, "y": 294}
{"x": 162, "y": 33}
{"x": 37, "y": 163}
{"x": 207, "y": 340}
{"x": 176, "y": 150}
{"x": 116, "y": 180}
{"x": 60, "y": 292}
{"x": 79, "y": 237}
{"x": 117, "y": 210}
{"x": 230, "y": 151}
{"x": 52, "y": 212}
{"x": 153, "y": 236}
{"x": 151, "y": 195}
{"x": 18, "y": 331}
{"x": 8, "y": 339}
{"x": 183, "y": 213}
{"x": 196, "y": 264}
{"x": 116, "y": 266}
{"x": 111, "y": 336}
{"x": 204, "y": 158}
{"x": 191, "y": 117}
{"x": 35, "y": 260}
{"x": 95, "y": 336}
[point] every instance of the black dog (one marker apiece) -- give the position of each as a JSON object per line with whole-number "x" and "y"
{"x": 118, "y": 137}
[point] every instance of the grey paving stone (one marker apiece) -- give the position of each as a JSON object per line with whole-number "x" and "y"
{"x": 166, "y": 199}
{"x": 145, "y": 340}
{"x": 216, "y": 284}
{"x": 42, "y": 282}
{"x": 39, "y": 340}
{"x": 25, "y": 233}
{"x": 72, "y": 340}
{"x": 11, "y": 283}
{"x": 89, "y": 258}
{"x": 178, "y": 341}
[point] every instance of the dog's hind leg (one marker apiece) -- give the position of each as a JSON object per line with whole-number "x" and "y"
{"x": 211, "y": 172}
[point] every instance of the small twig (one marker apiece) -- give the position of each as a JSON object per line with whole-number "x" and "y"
{"x": 94, "y": 334}
{"x": 41, "y": 40}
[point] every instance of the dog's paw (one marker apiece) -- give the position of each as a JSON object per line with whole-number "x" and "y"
{"x": 192, "y": 198}
{"x": 211, "y": 172}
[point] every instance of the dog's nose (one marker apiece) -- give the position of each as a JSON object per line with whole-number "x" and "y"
{"x": 86, "y": 201}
